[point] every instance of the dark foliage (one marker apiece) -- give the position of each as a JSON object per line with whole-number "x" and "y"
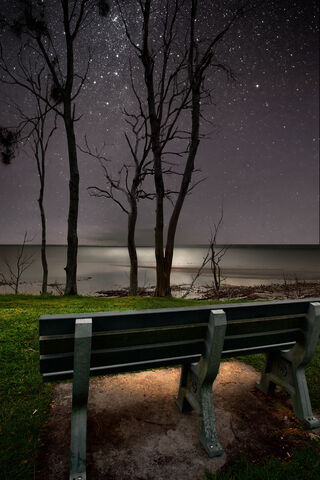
{"x": 104, "y": 7}
{"x": 56, "y": 93}
{"x": 8, "y": 141}
{"x": 31, "y": 19}
{"x": 17, "y": 28}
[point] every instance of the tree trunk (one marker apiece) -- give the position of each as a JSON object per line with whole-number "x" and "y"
{"x": 132, "y": 220}
{"x": 185, "y": 184}
{"x": 72, "y": 251}
{"x": 155, "y": 127}
{"x": 160, "y": 271}
{"x": 43, "y": 242}
{"x": 159, "y": 186}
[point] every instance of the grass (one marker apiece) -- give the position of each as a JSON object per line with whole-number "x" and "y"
{"x": 303, "y": 466}
{"x": 25, "y": 399}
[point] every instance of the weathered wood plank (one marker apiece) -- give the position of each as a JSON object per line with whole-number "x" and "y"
{"x": 264, "y": 324}
{"x": 256, "y": 339}
{"x": 64, "y": 343}
{"x": 115, "y": 356}
{"x": 124, "y": 368}
{"x": 124, "y": 338}
{"x": 159, "y": 335}
{"x": 64, "y": 324}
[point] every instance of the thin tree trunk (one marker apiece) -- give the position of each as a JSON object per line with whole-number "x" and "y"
{"x": 132, "y": 220}
{"x": 159, "y": 185}
{"x": 43, "y": 240}
{"x": 72, "y": 252}
{"x": 68, "y": 117}
{"x": 148, "y": 63}
{"x": 160, "y": 266}
{"x": 186, "y": 180}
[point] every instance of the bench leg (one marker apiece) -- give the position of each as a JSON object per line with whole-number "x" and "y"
{"x": 195, "y": 390}
{"x": 207, "y": 422}
{"x": 80, "y": 390}
{"x": 281, "y": 371}
{"x": 287, "y": 369}
{"x": 301, "y": 400}
{"x": 181, "y": 400}
{"x": 266, "y": 385}
{"x": 193, "y": 394}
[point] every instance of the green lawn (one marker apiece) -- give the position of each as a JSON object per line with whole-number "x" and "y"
{"x": 25, "y": 399}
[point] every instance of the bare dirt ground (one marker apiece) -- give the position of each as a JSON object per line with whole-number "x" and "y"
{"x": 136, "y": 432}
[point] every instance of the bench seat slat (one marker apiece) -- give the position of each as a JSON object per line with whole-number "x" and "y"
{"x": 254, "y": 350}
{"x": 264, "y": 324}
{"x": 64, "y": 343}
{"x": 126, "y": 341}
{"x": 148, "y": 335}
{"x": 64, "y": 324}
{"x": 135, "y": 353}
{"x": 124, "y": 338}
{"x": 251, "y": 340}
{"x": 123, "y": 368}
{"x": 114, "y": 356}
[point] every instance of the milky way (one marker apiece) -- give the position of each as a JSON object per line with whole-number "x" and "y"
{"x": 260, "y": 160}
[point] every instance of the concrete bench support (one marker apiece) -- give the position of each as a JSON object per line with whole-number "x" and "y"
{"x": 195, "y": 390}
{"x": 80, "y": 391}
{"x": 287, "y": 369}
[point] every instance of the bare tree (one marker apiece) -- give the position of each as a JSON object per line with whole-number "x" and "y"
{"x": 37, "y": 129}
{"x": 205, "y": 261}
{"x": 14, "y": 272}
{"x": 216, "y": 253}
{"x": 40, "y": 139}
{"x": 213, "y": 258}
{"x": 39, "y": 40}
{"x": 34, "y": 130}
{"x": 125, "y": 188}
{"x": 175, "y": 90}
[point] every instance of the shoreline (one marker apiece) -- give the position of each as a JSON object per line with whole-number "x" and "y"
{"x": 274, "y": 291}
{"x": 287, "y": 289}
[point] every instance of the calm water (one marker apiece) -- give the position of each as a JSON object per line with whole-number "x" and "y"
{"x": 105, "y": 268}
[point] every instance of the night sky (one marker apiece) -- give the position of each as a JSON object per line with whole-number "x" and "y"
{"x": 261, "y": 159}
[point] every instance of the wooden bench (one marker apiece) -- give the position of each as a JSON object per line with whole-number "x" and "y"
{"x": 79, "y": 345}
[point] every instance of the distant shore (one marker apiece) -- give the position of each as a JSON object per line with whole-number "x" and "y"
{"x": 274, "y": 291}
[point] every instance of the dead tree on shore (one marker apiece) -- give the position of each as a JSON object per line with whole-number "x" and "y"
{"x": 216, "y": 254}
{"x": 213, "y": 258}
{"x": 14, "y": 272}
{"x": 174, "y": 94}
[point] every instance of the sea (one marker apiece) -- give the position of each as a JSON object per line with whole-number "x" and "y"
{"x": 107, "y": 268}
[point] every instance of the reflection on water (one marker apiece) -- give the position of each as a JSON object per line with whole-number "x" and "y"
{"x": 105, "y": 268}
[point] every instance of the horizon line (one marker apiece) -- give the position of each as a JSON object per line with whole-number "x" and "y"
{"x": 176, "y": 246}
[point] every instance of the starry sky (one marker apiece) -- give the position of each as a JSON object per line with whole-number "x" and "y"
{"x": 260, "y": 158}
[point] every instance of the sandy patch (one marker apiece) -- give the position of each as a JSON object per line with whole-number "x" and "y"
{"x": 136, "y": 432}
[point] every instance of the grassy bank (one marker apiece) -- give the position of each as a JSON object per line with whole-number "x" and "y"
{"x": 25, "y": 400}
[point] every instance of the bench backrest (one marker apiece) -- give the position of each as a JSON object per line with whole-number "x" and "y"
{"x": 137, "y": 340}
